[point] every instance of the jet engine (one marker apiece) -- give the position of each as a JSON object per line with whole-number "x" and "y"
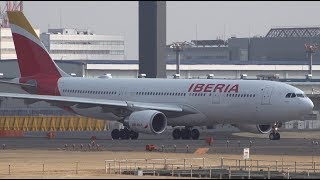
{"x": 147, "y": 121}
{"x": 253, "y": 128}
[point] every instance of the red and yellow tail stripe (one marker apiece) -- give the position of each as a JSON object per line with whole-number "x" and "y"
{"x": 33, "y": 57}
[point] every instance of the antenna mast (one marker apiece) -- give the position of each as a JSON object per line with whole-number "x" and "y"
{"x": 8, "y": 6}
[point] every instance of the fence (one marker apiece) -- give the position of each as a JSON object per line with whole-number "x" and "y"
{"x": 234, "y": 164}
{"x": 193, "y": 167}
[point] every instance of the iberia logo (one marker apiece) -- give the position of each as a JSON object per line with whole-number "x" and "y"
{"x": 146, "y": 126}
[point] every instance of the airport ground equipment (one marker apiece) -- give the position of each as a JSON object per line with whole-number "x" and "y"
{"x": 151, "y": 147}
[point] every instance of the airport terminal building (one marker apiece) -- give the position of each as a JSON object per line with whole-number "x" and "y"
{"x": 279, "y": 44}
{"x": 74, "y": 44}
{"x": 7, "y": 50}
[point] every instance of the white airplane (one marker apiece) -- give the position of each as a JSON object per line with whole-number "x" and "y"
{"x": 150, "y": 105}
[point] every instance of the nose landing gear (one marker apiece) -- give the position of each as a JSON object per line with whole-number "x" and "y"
{"x": 185, "y": 133}
{"x": 275, "y": 135}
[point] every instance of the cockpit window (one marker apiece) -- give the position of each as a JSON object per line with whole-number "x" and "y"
{"x": 292, "y": 95}
{"x": 301, "y": 95}
{"x": 288, "y": 95}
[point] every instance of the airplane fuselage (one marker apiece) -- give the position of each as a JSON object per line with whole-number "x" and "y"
{"x": 149, "y": 105}
{"x": 215, "y": 100}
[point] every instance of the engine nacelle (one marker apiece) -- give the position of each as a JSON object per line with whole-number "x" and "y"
{"x": 253, "y": 128}
{"x": 147, "y": 121}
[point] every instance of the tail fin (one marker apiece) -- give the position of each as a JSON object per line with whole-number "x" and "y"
{"x": 33, "y": 58}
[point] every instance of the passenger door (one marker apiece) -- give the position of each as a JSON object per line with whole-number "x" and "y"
{"x": 123, "y": 93}
{"x": 266, "y": 96}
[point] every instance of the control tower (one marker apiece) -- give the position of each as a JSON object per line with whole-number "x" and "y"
{"x": 152, "y": 39}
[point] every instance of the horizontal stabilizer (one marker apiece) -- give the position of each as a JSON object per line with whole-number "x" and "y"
{"x": 17, "y": 84}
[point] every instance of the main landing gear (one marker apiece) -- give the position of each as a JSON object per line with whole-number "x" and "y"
{"x": 275, "y": 135}
{"x": 124, "y": 134}
{"x": 185, "y": 133}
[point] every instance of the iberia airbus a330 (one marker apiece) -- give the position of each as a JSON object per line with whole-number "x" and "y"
{"x": 150, "y": 105}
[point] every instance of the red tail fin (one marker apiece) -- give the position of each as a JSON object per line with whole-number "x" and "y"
{"x": 35, "y": 64}
{"x": 33, "y": 57}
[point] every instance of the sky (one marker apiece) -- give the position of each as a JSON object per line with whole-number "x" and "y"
{"x": 186, "y": 20}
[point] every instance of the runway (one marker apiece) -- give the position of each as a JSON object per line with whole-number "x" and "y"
{"x": 291, "y": 143}
{"x": 35, "y": 156}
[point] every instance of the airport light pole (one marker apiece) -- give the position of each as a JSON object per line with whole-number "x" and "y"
{"x": 178, "y": 47}
{"x": 310, "y": 50}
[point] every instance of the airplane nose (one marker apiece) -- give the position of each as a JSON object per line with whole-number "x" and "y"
{"x": 309, "y": 105}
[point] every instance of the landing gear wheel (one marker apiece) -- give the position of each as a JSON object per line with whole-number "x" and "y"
{"x": 195, "y": 134}
{"x": 277, "y": 136}
{"x": 271, "y": 136}
{"x": 274, "y": 136}
{"x": 115, "y": 134}
{"x": 134, "y": 135}
{"x": 176, "y": 134}
{"x": 185, "y": 133}
{"x": 124, "y": 133}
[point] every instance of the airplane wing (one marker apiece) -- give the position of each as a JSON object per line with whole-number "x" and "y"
{"x": 114, "y": 106}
